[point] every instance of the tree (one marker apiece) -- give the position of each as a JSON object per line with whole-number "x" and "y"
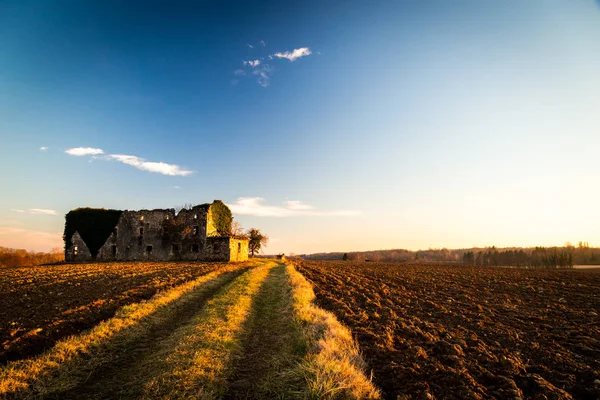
{"x": 257, "y": 240}
{"x": 345, "y": 257}
{"x": 236, "y": 229}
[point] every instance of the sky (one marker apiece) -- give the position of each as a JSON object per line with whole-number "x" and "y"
{"x": 328, "y": 125}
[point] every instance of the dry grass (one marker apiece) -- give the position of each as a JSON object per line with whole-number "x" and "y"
{"x": 61, "y": 368}
{"x": 195, "y": 359}
{"x": 333, "y": 367}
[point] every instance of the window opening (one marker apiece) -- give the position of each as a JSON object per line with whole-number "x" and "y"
{"x": 142, "y": 218}
{"x": 195, "y": 248}
{"x": 114, "y": 250}
{"x": 149, "y": 249}
{"x": 174, "y": 248}
{"x": 195, "y": 216}
{"x": 75, "y": 250}
{"x": 141, "y": 231}
{"x": 195, "y": 230}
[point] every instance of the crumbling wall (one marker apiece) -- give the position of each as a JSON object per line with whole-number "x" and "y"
{"x": 217, "y": 249}
{"x": 192, "y": 234}
{"x": 139, "y": 235}
{"x": 78, "y": 250}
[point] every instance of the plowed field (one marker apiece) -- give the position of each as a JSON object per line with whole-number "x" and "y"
{"x": 468, "y": 332}
{"x": 40, "y": 305}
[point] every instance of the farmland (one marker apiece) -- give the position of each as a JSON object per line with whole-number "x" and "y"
{"x": 246, "y": 330}
{"x": 46, "y": 303}
{"x": 433, "y": 331}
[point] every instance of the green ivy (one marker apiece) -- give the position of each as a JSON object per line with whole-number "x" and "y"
{"x": 222, "y": 218}
{"x": 93, "y": 224}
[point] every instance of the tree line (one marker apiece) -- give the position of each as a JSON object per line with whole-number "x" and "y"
{"x": 552, "y": 257}
{"x": 23, "y": 258}
{"x": 565, "y": 256}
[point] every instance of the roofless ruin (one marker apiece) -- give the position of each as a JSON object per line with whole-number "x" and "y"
{"x": 201, "y": 233}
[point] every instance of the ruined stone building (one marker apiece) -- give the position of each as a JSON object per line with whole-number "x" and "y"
{"x": 199, "y": 234}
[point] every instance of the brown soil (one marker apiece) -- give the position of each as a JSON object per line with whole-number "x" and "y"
{"x": 452, "y": 332}
{"x": 41, "y": 305}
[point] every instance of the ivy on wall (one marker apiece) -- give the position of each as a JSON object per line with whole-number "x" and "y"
{"x": 222, "y": 218}
{"x": 93, "y": 224}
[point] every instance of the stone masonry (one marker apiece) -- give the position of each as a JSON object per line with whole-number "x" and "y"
{"x": 163, "y": 235}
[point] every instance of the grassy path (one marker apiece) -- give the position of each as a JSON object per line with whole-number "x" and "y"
{"x": 123, "y": 375}
{"x": 272, "y": 345}
{"x": 239, "y": 333}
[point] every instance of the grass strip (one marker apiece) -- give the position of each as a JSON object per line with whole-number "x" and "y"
{"x": 333, "y": 367}
{"x": 273, "y": 345}
{"x": 61, "y": 368}
{"x": 194, "y": 361}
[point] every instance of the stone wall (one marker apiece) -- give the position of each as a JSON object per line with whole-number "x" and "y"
{"x": 78, "y": 250}
{"x": 164, "y": 236}
{"x": 238, "y": 249}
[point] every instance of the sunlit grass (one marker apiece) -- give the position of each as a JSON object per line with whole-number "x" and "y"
{"x": 195, "y": 359}
{"x": 333, "y": 367}
{"x": 61, "y": 368}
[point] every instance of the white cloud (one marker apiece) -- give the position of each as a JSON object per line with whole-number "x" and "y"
{"x": 249, "y": 45}
{"x": 134, "y": 161}
{"x": 252, "y": 63}
{"x": 263, "y": 43}
{"x": 35, "y": 211}
{"x": 84, "y": 151}
{"x": 297, "y": 205}
{"x": 254, "y": 206}
{"x": 151, "y": 166}
{"x": 294, "y": 55}
{"x": 43, "y": 148}
{"x": 41, "y": 211}
{"x": 239, "y": 72}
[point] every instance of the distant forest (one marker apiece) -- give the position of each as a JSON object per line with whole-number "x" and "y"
{"x": 548, "y": 257}
{"x": 24, "y": 258}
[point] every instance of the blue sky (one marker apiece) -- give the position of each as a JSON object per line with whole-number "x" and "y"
{"x": 331, "y": 126}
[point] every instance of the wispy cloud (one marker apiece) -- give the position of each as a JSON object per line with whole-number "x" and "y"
{"x": 41, "y": 211}
{"x": 151, "y": 166}
{"x": 249, "y": 45}
{"x": 35, "y": 211}
{"x": 263, "y": 75}
{"x": 252, "y": 63}
{"x": 84, "y": 151}
{"x": 255, "y": 206}
{"x": 43, "y": 148}
{"x": 262, "y": 71}
{"x": 294, "y": 55}
{"x": 135, "y": 161}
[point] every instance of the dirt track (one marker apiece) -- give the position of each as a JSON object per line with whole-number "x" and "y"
{"x": 467, "y": 332}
